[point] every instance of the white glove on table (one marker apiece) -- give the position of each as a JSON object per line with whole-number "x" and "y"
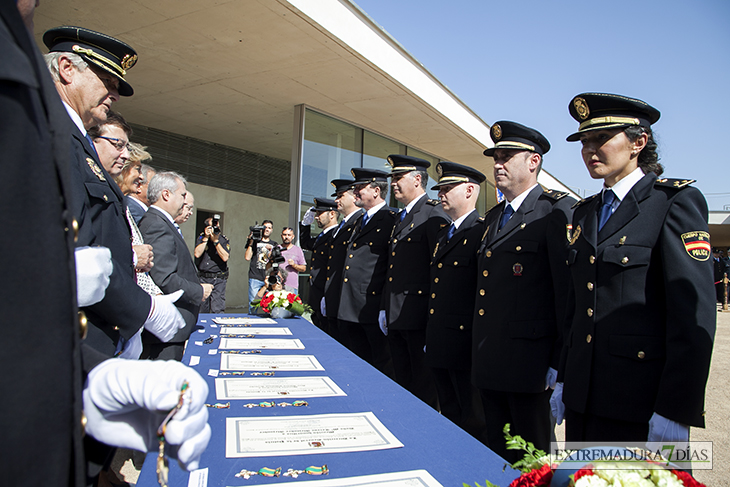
{"x": 383, "y": 322}
{"x": 551, "y": 378}
{"x": 323, "y": 308}
{"x": 125, "y": 401}
{"x": 557, "y": 407}
{"x": 164, "y": 319}
{"x": 308, "y": 217}
{"x": 93, "y": 268}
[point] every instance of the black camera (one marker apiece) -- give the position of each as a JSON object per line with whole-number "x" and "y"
{"x": 276, "y": 258}
{"x": 215, "y": 222}
{"x": 257, "y": 232}
{"x": 274, "y": 279}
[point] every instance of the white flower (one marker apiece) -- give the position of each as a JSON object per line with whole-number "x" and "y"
{"x": 591, "y": 481}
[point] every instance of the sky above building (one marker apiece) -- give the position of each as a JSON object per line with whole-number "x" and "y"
{"x": 524, "y": 60}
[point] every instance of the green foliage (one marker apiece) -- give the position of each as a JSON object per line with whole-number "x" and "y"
{"x": 488, "y": 484}
{"x": 533, "y": 457}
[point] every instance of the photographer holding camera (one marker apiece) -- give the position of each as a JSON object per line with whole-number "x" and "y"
{"x": 258, "y": 247}
{"x": 276, "y": 277}
{"x": 212, "y": 251}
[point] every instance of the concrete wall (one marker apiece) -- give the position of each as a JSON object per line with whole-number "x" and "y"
{"x": 239, "y": 211}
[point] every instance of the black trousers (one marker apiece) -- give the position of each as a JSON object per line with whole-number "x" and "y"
{"x": 460, "y": 402}
{"x": 527, "y": 414}
{"x": 588, "y": 427}
{"x": 367, "y": 342}
{"x": 409, "y": 363}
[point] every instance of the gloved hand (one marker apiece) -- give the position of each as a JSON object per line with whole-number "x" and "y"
{"x": 662, "y": 429}
{"x": 557, "y": 407}
{"x": 323, "y": 308}
{"x": 308, "y": 217}
{"x": 382, "y": 322}
{"x": 125, "y": 401}
{"x": 133, "y": 347}
{"x": 164, "y": 319}
{"x": 551, "y": 378}
{"x": 93, "y": 268}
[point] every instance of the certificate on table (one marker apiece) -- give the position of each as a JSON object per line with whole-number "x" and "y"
{"x": 275, "y": 388}
{"x": 306, "y": 363}
{"x": 306, "y": 435}
{"x": 412, "y": 478}
{"x": 230, "y": 320}
{"x": 254, "y": 343}
{"x": 228, "y": 330}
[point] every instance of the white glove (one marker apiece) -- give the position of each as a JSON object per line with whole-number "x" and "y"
{"x": 93, "y": 268}
{"x": 662, "y": 429}
{"x": 125, "y": 401}
{"x": 323, "y": 308}
{"x": 557, "y": 407}
{"x": 551, "y": 378}
{"x": 133, "y": 347}
{"x": 164, "y": 319}
{"x": 382, "y": 322}
{"x": 308, "y": 217}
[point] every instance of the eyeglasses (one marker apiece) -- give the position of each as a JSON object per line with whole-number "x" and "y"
{"x": 118, "y": 144}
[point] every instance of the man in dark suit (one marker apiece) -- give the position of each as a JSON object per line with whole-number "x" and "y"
{"x": 521, "y": 292}
{"x": 87, "y": 68}
{"x": 174, "y": 267}
{"x": 345, "y": 198}
{"x": 324, "y": 212}
{"x": 404, "y": 309}
{"x": 363, "y": 275}
{"x": 451, "y": 302}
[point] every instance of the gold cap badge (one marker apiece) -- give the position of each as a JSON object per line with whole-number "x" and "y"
{"x": 496, "y": 132}
{"x": 581, "y": 108}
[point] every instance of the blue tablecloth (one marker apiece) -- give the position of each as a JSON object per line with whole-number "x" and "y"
{"x": 431, "y": 442}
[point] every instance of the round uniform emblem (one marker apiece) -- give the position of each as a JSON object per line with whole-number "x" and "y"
{"x": 496, "y": 132}
{"x": 581, "y": 108}
{"x": 439, "y": 170}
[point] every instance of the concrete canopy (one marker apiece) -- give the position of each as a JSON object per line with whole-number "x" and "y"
{"x": 231, "y": 72}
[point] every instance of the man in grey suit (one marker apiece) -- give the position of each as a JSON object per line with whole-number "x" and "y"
{"x": 174, "y": 267}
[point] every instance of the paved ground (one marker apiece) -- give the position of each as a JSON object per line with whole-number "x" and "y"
{"x": 717, "y": 405}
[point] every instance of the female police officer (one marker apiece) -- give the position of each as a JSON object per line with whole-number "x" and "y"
{"x": 641, "y": 317}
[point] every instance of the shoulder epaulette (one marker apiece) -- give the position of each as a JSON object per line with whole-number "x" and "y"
{"x": 584, "y": 200}
{"x": 433, "y": 202}
{"x": 480, "y": 219}
{"x": 674, "y": 183}
{"x": 556, "y": 195}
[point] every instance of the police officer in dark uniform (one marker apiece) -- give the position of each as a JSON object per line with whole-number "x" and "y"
{"x": 212, "y": 251}
{"x": 452, "y": 296}
{"x": 345, "y": 198}
{"x": 405, "y": 297}
{"x": 521, "y": 284}
{"x": 324, "y": 212}
{"x": 363, "y": 275}
{"x": 116, "y": 321}
{"x": 642, "y": 308}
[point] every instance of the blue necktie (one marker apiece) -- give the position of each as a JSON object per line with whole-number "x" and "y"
{"x": 91, "y": 142}
{"x": 365, "y": 218}
{"x": 508, "y": 212}
{"x": 402, "y": 215}
{"x": 342, "y": 224}
{"x": 451, "y": 231}
{"x": 605, "y": 212}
